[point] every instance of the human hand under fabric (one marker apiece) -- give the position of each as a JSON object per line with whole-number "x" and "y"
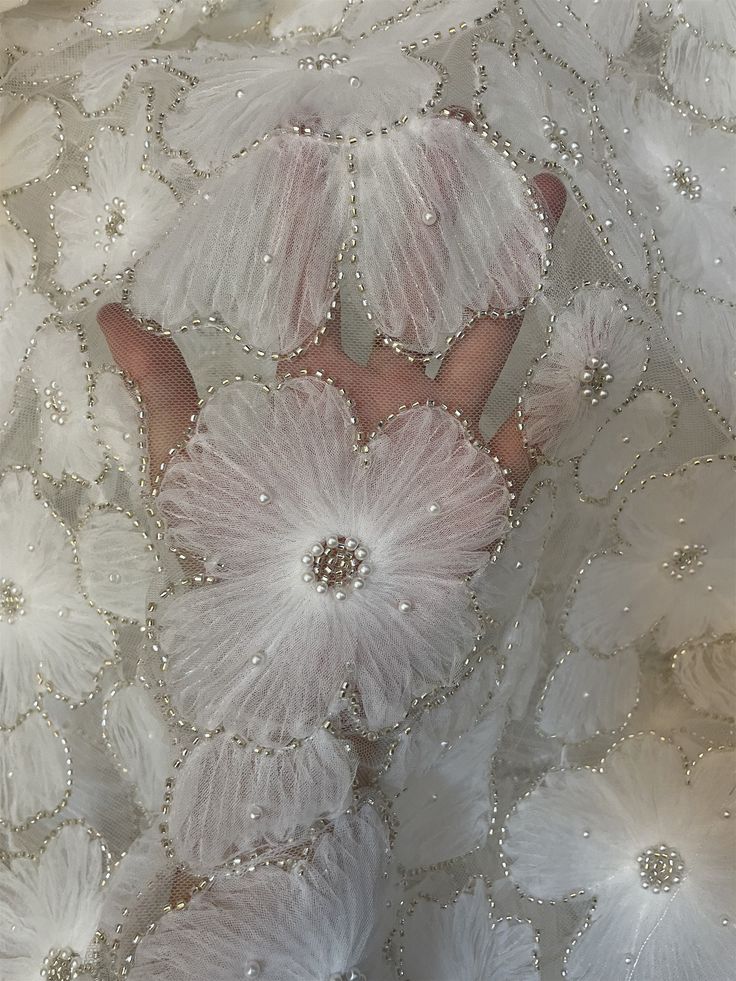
{"x": 388, "y": 381}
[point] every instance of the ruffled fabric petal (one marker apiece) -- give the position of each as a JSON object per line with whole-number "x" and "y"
{"x": 118, "y": 562}
{"x": 324, "y": 917}
{"x": 631, "y": 435}
{"x": 461, "y": 940}
{"x": 137, "y": 735}
{"x": 437, "y": 240}
{"x": 31, "y": 144}
{"x": 566, "y": 36}
{"x": 586, "y": 695}
{"x": 705, "y": 672}
{"x": 264, "y": 236}
{"x": 228, "y": 799}
{"x": 700, "y": 74}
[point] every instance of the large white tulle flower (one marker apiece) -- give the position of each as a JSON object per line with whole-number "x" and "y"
{"x": 674, "y": 569}
{"x": 354, "y": 165}
{"x": 530, "y": 107}
{"x": 50, "y": 636}
{"x": 652, "y": 844}
{"x": 327, "y": 565}
{"x": 105, "y": 222}
{"x": 50, "y": 906}
{"x": 673, "y": 169}
{"x": 278, "y": 925}
{"x": 595, "y": 357}
{"x": 462, "y": 940}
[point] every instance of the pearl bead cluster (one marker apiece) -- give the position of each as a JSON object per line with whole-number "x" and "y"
{"x": 594, "y": 378}
{"x": 61, "y": 965}
{"x": 322, "y": 61}
{"x": 685, "y": 559}
{"x": 115, "y": 218}
{"x": 12, "y": 603}
{"x": 683, "y": 180}
{"x": 335, "y": 563}
{"x": 54, "y": 402}
{"x": 660, "y": 868}
{"x": 556, "y": 136}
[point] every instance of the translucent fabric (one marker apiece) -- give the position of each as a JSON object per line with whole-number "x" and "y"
{"x": 367, "y": 490}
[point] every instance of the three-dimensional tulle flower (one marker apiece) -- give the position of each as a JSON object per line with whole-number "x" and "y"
{"x": 50, "y": 906}
{"x": 652, "y": 844}
{"x": 595, "y": 357}
{"x": 324, "y": 152}
{"x": 328, "y": 564}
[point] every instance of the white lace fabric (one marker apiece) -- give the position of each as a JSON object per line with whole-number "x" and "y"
{"x": 367, "y": 490}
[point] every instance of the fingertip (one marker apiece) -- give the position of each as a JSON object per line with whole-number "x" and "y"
{"x": 553, "y": 196}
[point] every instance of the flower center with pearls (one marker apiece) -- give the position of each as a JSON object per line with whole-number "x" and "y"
{"x": 54, "y": 403}
{"x": 660, "y": 868}
{"x": 61, "y": 965}
{"x": 594, "y": 379}
{"x": 686, "y": 560}
{"x": 683, "y": 180}
{"x": 568, "y": 152}
{"x": 12, "y": 603}
{"x": 336, "y": 563}
{"x": 115, "y": 214}
{"x": 309, "y": 63}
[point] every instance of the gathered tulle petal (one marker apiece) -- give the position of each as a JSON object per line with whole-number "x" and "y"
{"x": 229, "y": 799}
{"x": 462, "y": 940}
{"x": 117, "y": 413}
{"x": 283, "y": 926}
{"x": 17, "y": 260}
{"x": 705, "y": 673}
{"x": 700, "y": 74}
{"x": 447, "y": 811}
{"x": 564, "y": 33}
{"x": 136, "y": 733}
{"x": 17, "y": 327}
{"x": 627, "y": 438}
{"x": 263, "y": 236}
{"x": 586, "y": 695}
{"x": 118, "y": 562}
{"x": 31, "y": 145}
{"x": 26, "y": 796}
{"x": 421, "y": 266}
{"x": 716, "y": 21}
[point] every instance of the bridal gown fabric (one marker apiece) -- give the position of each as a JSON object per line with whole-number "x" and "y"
{"x": 367, "y": 490}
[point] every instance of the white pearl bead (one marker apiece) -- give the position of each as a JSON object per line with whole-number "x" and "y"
{"x": 361, "y": 553}
{"x": 321, "y": 587}
{"x": 252, "y": 969}
{"x": 316, "y": 549}
{"x": 267, "y": 259}
{"x": 355, "y": 81}
{"x": 332, "y": 541}
{"x": 239, "y": 94}
{"x": 257, "y": 659}
{"x": 364, "y": 569}
{"x": 306, "y": 559}
{"x": 358, "y": 584}
{"x": 405, "y": 606}
{"x": 340, "y": 594}
{"x": 264, "y": 498}
{"x": 429, "y": 218}
{"x": 433, "y": 508}
{"x": 308, "y": 577}
{"x": 255, "y": 812}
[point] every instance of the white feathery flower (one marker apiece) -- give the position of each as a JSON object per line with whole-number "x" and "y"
{"x": 352, "y": 156}
{"x": 328, "y": 564}
{"x": 652, "y": 844}
{"x": 278, "y": 925}
{"x": 674, "y": 569}
{"x": 672, "y": 167}
{"x": 596, "y": 354}
{"x": 50, "y": 906}
{"x": 35, "y": 772}
{"x": 106, "y": 222}
{"x": 528, "y": 102}
{"x": 50, "y": 636}
{"x": 31, "y": 140}
{"x": 705, "y": 673}
{"x": 462, "y": 939}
